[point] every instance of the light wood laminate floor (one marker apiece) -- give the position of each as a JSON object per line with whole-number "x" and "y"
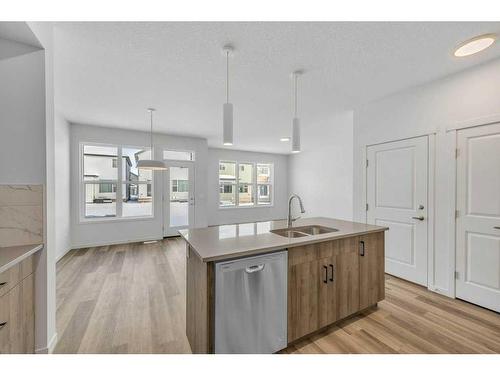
{"x": 131, "y": 299}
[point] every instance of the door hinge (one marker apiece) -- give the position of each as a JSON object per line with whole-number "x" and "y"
{"x": 457, "y": 275}
{"x": 366, "y": 163}
{"x": 457, "y": 153}
{"x": 457, "y": 214}
{"x": 367, "y": 207}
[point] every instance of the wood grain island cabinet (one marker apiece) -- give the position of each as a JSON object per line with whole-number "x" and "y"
{"x": 328, "y": 280}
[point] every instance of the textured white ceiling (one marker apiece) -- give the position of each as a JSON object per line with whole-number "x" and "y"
{"x": 108, "y": 73}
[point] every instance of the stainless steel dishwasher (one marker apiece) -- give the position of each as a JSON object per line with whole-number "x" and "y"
{"x": 251, "y": 304}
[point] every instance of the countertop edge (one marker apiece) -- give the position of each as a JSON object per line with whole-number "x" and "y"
{"x": 280, "y": 247}
{"x": 22, "y": 257}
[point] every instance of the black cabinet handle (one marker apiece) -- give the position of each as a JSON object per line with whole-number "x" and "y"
{"x": 2, "y": 284}
{"x": 326, "y": 274}
{"x": 3, "y": 325}
{"x": 331, "y": 277}
{"x": 362, "y": 248}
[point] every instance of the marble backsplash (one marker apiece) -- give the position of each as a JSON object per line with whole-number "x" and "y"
{"x": 21, "y": 214}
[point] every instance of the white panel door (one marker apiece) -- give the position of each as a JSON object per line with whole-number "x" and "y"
{"x": 397, "y": 178}
{"x": 478, "y": 221}
{"x": 178, "y": 197}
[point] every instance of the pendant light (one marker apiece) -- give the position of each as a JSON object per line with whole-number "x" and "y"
{"x": 152, "y": 165}
{"x": 227, "y": 108}
{"x": 295, "y": 121}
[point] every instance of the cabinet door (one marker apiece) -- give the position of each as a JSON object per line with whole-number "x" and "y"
{"x": 328, "y": 294}
{"x": 346, "y": 278}
{"x": 371, "y": 270}
{"x": 303, "y": 299}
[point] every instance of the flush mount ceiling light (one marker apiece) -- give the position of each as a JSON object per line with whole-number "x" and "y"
{"x": 474, "y": 45}
{"x": 227, "y": 108}
{"x": 285, "y": 139}
{"x": 152, "y": 165}
{"x": 295, "y": 121}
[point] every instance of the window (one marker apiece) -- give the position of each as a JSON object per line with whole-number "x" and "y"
{"x": 103, "y": 167}
{"x": 264, "y": 184}
{"x": 137, "y": 192}
{"x": 180, "y": 186}
{"x": 178, "y": 155}
{"x": 245, "y": 184}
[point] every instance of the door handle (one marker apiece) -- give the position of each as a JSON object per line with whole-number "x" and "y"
{"x": 331, "y": 277}
{"x": 326, "y": 274}
{"x": 496, "y": 227}
{"x": 421, "y": 218}
{"x": 253, "y": 269}
{"x": 362, "y": 248}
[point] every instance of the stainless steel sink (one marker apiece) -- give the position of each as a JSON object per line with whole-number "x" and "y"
{"x": 290, "y": 233}
{"x": 307, "y": 230}
{"x": 315, "y": 229}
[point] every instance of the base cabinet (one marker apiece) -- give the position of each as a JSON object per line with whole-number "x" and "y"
{"x": 331, "y": 280}
{"x": 17, "y": 312}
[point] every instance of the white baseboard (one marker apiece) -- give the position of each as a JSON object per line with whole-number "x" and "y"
{"x": 49, "y": 349}
{"x": 117, "y": 242}
{"x": 59, "y": 257}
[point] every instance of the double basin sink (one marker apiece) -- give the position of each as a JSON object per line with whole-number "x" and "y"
{"x": 308, "y": 230}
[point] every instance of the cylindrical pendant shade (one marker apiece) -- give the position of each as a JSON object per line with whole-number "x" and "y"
{"x": 296, "y": 135}
{"x": 227, "y": 121}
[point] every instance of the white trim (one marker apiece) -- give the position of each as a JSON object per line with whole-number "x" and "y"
{"x": 49, "y": 349}
{"x": 431, "y": 189}
{"x": 118, "y": 182}
{"x": 110, "y": 243}
{"x": 165, "y": 204}
{"x": 431, "y": 193}
{"x": 472, "y": 123}
{"x": 401, "y": 139}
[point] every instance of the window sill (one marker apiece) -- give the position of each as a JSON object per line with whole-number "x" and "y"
{"x": 246, "y": 207}
{"x": 115, "y": 219}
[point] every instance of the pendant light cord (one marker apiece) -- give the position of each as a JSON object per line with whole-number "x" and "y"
{"x": 227, "y": 76}
{"x": 151, "y": 119}
{"x": 295, "y": 95}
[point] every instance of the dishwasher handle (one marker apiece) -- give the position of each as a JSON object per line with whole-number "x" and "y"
{"x": 256, "y": 268}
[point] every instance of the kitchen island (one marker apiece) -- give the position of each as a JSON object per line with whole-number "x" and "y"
{"x": 335, "y": 270}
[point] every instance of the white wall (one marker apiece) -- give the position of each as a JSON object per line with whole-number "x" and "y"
{"x": 126, "y": 230}
{"x": 228, "y": 215}
{"x": 45, "y": 297}
{"x": 322, "y": 174}
{"x": 62, "y": 187}
{"x": 434, "y": 107}
{"x": 22, "y": 119}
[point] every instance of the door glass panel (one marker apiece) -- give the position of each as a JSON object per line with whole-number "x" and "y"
{"x": 179, "y": 196}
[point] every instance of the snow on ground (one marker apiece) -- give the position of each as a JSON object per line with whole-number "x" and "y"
{"x": 178, "y": 211}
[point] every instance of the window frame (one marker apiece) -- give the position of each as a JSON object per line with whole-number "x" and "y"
{"x": 254, "y": 184}
{"x": 119, "y": 182}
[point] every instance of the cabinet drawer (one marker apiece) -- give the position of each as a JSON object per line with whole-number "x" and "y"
{"x": 17, "y": 319}
{"x": 11, "y": 277}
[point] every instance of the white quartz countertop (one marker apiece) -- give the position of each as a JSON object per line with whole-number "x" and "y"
{"x": 11, "y": 255}
{"x": 236, "y": 240}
